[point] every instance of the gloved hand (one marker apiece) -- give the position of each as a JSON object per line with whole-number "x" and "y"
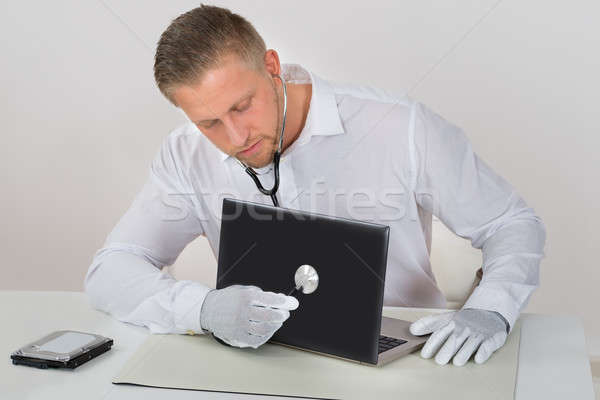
{"x": 245, "y": 316}
{"x": 462, "y": 333}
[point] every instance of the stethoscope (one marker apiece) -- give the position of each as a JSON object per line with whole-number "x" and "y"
{"x": 306, "y": 277}
{"x": 273, "y": 191}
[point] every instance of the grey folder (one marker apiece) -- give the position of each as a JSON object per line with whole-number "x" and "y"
{"x": 198, "y": 363}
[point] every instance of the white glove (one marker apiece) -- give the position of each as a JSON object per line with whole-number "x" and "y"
{"x": 463, "y": 332}
{"x": 245, "y": 316}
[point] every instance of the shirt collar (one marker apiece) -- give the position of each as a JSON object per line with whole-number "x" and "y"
{"x": 323, "y": 118}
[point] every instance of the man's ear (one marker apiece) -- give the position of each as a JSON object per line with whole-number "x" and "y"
{"x": 272, "y": 64}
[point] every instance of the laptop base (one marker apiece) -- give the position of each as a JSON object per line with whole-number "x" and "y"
{"x": 392, "y": 327}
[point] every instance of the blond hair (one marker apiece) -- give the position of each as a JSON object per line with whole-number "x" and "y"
{"x": 198, "y": 40}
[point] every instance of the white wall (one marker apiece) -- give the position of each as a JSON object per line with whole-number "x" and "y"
{"x": 81, "y": 117}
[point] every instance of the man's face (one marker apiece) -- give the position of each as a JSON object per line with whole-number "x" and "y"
{"x": 235, "y": 107}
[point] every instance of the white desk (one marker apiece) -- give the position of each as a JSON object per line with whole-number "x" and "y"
{"x": 553, "y": 362}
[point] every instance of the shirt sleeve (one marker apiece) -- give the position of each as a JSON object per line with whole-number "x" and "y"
{"x": 475, "y": 203}
{"x": 125, "y": 277}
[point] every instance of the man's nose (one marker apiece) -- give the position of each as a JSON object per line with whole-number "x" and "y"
{"x": 237, "y": 136}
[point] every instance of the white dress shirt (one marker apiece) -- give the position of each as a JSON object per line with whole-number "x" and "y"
{"x": 362, "y": 154}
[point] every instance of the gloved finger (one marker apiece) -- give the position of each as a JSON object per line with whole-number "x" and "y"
{"x": 256, "y": 341}
{"x": 264, "y": 329}
{"x": 232, "y": 342}
{"x": 275, "y": 300}
{"x": 451, "y": 346}
{"x": 436, "y": 340}
{"x": 467, "y": 350}
{"x": 263, "y": 314}
{"x": 430, "y": 323}
{"x": 244, "y": 339}
{"x": 245, "y": 287}
{"x": 489, "y": 346}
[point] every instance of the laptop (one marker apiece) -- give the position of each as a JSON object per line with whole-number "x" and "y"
{"x": 263, "y": 245}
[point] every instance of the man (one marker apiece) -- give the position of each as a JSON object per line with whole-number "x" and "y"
{"x": 341, "y": 143}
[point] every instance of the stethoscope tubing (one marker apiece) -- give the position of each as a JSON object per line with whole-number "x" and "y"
{"x": 250, "y": 171}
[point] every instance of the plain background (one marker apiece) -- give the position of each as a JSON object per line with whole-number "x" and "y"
{"x": 82, "y": 118}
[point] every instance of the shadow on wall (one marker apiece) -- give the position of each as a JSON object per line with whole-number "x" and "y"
{"x": 455, "y": 264}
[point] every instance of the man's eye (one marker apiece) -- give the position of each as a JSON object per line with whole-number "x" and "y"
{"x": 211, "y": 125}
{"x": 247, "y": 106}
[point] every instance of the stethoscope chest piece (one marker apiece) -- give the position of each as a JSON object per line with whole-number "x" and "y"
{"x": 307, "y": 278}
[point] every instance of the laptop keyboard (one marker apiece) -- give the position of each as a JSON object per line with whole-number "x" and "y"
{"x": 386, "y": 343}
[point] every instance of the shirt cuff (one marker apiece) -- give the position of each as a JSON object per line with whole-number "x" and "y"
{"x": 492, "y": 299}
{"x": 186, "y": 310}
